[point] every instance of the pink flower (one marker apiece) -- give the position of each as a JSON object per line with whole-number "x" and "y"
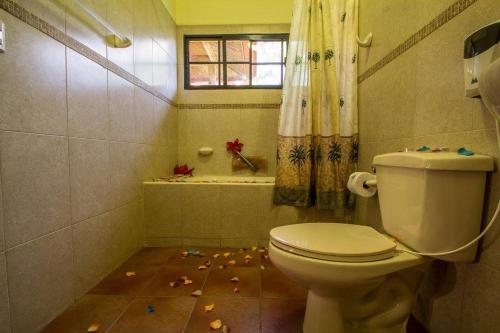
{"x": 183, "y": 170}
{"x": 234, "y": 147}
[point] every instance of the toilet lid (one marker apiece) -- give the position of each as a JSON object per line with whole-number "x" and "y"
{"x": 334, "y": 241}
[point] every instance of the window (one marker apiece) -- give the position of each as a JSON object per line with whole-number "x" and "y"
{"x": 234, "y": 61}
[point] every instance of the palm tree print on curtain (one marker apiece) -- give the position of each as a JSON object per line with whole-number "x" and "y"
{"x": 317, "y": 143}
{"x": 298, "y": 158}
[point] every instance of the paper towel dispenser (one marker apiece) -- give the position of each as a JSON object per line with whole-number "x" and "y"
{"x": 480, "y": 49}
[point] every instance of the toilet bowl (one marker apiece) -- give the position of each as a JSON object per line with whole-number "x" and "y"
{"x": 363, "y": 281}
{"x": 352, "y": 274}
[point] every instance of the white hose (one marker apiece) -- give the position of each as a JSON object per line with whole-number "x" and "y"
{"x": 493, "y": 219}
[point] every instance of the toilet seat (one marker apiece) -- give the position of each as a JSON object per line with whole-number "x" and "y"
{"x": 334, "y": 242}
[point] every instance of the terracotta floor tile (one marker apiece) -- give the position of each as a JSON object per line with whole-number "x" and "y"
{"x": 170, "y": 315}
{"x": 193, "y": 260}
{"x": 102, "y": 309}
{"x": 279, "y": 316}
{"x": 219, "y": 282}
{"x": 277, "y": 285}
{"x": 160, "y": 284}
{"x": 154, "y": 256}
{"x": 265, "y": 260}
{"x": 239, "y": 257}
{"x": 117, "y": 283}
{"x": 241, "y": 315}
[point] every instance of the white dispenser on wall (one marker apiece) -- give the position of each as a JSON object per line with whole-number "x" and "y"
{"x": 480, "y": 49}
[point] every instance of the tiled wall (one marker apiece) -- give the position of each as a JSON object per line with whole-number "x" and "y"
{"x": 213, "y": 117}
{"x": 76, "y": 141}
{"x": 226, "y": 215}
{"x": 418, "y": 99}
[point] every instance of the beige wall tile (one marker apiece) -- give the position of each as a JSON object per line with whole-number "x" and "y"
{"x": 90, "y": 178}
{"x": 239, "y": 242}
{"x": 193, "y": 132}
{"x": 92, "y": 243}
{"x": 201, "y": 242}
{"x": 372, "y": 18}
{"x": 126, "y": 230}
{"x": 440, "y": 104}
{"x": 202, "y": 218}
{"x": 161, "y": 163}
{"x": 170, "y": 116}
{"x": 441, "y": 296}
{"x": 160, "y": 68}
{"x": 162, "y": 210}
{"x": 33, "y": 84}
{"x": 41, "y": 280}
{"x": 143, "y": 57}
{"x": 120, "y": 16}
{"x": 165, "y": 124}
{"x": 203, "y": 165}
{"x": 144, "y": 158}
{"x": 253, "y": 129}
{"x": 85, "y": 28}
{"x": 144, "y": 116}
{"x": 145, "y": 18}
{"x": 407, "y": 16}
{"x": 35, "y": 185}
{"x": 481, "y": 117}
{"x": 166, "y": 31}
{"x": 52, "y": 11}
{"x": 4, "y": 296}
{"x": 121, "y": 109}
{"x": 481, "y": 300}
{"x": 171, "y": 91}
{"x": 162, "y": 242}
{"x": 241, "y": 217}
{"x": 2, "y": 244}
{"x": 87, "y": 98}
{"x": 125, "y": 185}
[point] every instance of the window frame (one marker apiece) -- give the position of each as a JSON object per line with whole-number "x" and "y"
{"x": 223, "y": 63}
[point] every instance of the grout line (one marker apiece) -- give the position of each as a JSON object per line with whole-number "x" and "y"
{"x": 37, "y": 238}
{"x": 41, "y": 25}
{"x": 66, "y": 227}
{"x": 125, "y": 309}
{"x": 73, "y": 254}
{"x": 4, "y": 250}
{"x": 441, "y": 19}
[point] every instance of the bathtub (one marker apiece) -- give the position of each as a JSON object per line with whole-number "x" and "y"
{"x": 218, "y": 211}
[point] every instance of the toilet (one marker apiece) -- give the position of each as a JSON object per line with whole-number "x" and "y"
{"x": 360, "y": 280}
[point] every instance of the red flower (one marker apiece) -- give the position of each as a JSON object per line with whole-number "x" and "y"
{"x": 234, "y": 147}
{"x": 183, "y": 170}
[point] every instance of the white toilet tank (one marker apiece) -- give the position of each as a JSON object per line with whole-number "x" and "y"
{"x": 433, "y": 201}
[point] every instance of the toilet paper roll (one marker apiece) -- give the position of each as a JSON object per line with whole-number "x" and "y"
{"x": 356, "y": 182}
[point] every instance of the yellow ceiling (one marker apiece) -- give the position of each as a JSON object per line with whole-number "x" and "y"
{"x": 222, "y": 12}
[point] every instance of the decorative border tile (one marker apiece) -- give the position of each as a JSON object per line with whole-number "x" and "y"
{"x": 34, "y": 21}
{"x": 428, "y": 29}
{"x": 229, "y": 106}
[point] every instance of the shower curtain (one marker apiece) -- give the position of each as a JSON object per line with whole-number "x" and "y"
{"x": 317, "y": 135}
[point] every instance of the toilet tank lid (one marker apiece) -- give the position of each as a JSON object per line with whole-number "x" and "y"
{"x": 435, "y": 161}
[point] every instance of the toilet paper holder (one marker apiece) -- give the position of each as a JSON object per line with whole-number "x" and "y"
{"x": 370, "y": 183}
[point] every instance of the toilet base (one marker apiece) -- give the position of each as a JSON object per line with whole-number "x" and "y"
{"x": 377, "y": 307}
{"x": 323, "y": 315}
